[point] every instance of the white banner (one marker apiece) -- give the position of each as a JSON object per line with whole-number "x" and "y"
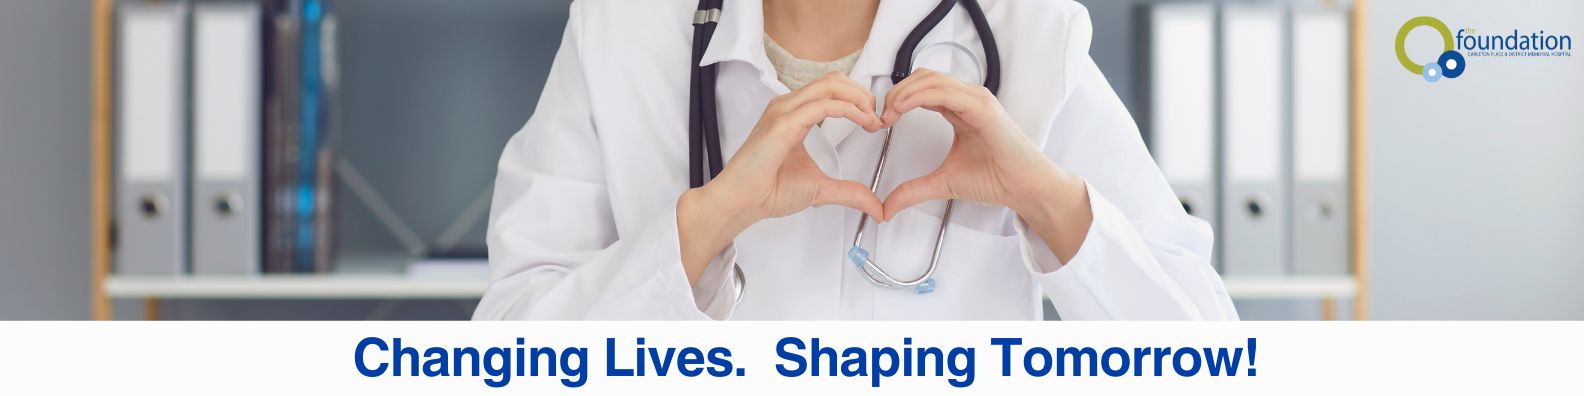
{"x": 643, "y": 358}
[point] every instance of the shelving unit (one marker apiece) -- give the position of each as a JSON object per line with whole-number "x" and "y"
{"x": 1291, "y": 287}
{"x": 1358, "y": 234}
{"x": 296, "y": 287}
{"x": 397, "y": 286}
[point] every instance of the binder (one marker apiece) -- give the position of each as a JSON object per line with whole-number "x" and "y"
{"x": 226, "y": 137}
{"x": 309, "y": 134}
{"x": 329, "y": 66}
{"x": 314, "y": 217}
{"x": 281, "y": 88}
{"x": 1254, "y": 127}
{"x": 1181, "y": 108}
{"x": 1320, "y": 141}
{"x": 300, "y": 103}
{"x": 151, "y": 127}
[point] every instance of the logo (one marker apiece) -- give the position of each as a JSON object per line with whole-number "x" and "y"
{"x": 1452, "y": 61}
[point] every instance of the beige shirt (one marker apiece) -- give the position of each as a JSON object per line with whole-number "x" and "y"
{"x": 796, "y": 73}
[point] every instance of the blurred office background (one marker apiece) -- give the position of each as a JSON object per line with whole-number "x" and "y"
{"x": 1473, "y": 185}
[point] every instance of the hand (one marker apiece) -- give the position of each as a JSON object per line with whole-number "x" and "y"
{"x": 991, "y": 161}
{"x": 772, "y": 175}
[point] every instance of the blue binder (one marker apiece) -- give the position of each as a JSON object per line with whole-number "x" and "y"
{"x": 311, "y": 138}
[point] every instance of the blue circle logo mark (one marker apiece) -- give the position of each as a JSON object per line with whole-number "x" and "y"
{"x": 1450, "y": 64}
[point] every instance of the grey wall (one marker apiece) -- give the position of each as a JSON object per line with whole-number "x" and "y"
{"x": 1477, "y": 183}
{"x": 44, "y": 135}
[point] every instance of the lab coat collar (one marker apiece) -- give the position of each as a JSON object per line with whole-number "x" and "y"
{"x": 740, "y": 37}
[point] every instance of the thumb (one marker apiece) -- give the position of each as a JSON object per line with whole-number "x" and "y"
{"x": 850, "y": 194}
{"x": 913, "y": 192}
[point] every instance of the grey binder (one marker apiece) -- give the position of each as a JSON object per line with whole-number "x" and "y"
{"x": 1254, "y": 122}
{"x": 227, "y": 47}
{"x": 151, "y": 128}
{"x": 1320, "y": 142}
{"x": 1181, "y": 111}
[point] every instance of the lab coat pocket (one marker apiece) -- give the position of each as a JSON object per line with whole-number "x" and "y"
{"x": 980, "y": 275}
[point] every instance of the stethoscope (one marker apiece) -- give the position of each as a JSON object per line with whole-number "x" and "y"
{"x": 704, "y": 127}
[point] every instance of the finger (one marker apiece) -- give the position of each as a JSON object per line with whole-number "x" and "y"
{"x": 806, "y": 116}
{"x": 913, "y": 192}
{"x": 833, "y": 86}
{"x": 904, "y": 86}
{"x": 921, "y": 79}
{"x": 869, "y": 101}
{"x": 814, "y": 90}
{"x": 869, "y": 104}
{"x": 850, "y": 194}
{"x": 961, "y": 104}
{"x": 925, "y": 79}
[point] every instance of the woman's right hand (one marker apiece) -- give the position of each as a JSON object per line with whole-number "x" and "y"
{"x": 772, "y": 175}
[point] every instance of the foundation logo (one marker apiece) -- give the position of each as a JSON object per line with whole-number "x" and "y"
{"x": 1452, "y": 62}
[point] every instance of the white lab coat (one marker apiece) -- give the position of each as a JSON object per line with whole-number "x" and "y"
{"x": 583, "y": 222}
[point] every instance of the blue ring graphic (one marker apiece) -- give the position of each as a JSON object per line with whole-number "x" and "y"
{"x": 1452, "y": 64}
{"x": 1432, "y": 72}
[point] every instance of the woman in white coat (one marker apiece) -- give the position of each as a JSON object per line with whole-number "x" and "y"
{"x": 592, "y": 216}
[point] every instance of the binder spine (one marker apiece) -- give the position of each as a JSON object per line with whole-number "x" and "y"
{"x": 281, "y": 129}
{"x": 226, "y": 137}
{"x": 1320, "y": 110}
{"x": 1254, "y": 185}
{"x": 152, "y": 128}
{"x": 1179, "y": 49}
{"x": 314, "y": 180}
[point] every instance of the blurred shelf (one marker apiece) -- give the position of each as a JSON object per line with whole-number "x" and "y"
{"x": 1291, "y": 287}
{"x": 372, "y": 276}
{"x": 401, "y": 286}
{"x": 292, "y": 286}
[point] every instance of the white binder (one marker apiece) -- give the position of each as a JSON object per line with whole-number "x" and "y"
{"x": 1254, "y": 122}
{"x": 151, "y": 128}
{"x": 1320, "y": 142}
{"x": 1182, "y": 98}
{"x": 226, "y": 200}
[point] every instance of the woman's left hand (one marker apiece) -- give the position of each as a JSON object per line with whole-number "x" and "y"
{"x": 991, "y": 161}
